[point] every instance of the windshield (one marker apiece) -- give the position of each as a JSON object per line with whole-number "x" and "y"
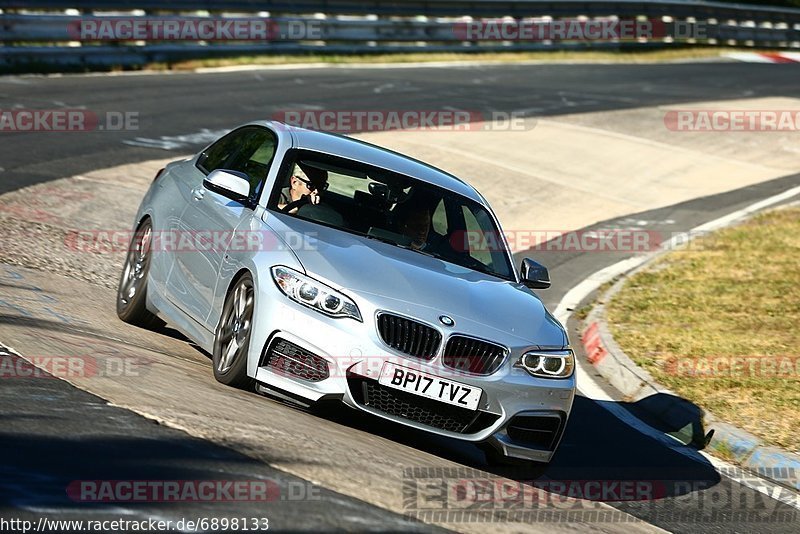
{"x": 393, "y": 208}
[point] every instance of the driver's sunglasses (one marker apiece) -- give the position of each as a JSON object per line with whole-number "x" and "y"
{"x": 312, "y": 187}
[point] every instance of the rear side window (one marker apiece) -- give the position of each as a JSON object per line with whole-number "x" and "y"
{"x": 249, "y": 150}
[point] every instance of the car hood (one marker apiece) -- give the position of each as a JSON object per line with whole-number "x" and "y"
{"x": 407, "y": 282}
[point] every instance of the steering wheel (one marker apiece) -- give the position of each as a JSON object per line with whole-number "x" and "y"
{"x": 295, "y": 204}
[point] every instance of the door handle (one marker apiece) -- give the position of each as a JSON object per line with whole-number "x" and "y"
{"x": 198, "y": 193}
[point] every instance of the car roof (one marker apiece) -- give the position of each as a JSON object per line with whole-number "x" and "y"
{"x": 355, "y": 149}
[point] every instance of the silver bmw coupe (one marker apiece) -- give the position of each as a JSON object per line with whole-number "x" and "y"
{"x": 314, "y": 266}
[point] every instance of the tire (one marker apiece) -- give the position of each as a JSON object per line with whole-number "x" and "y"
{"x": 132, "y": 291}
{"x": 232, "y": 338}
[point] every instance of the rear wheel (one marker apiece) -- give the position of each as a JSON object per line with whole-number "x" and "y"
{"x": 132, "y": 292}
{"x": 232, "y": 338}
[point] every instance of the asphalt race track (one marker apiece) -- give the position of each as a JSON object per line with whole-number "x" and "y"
{"x": 54, "y": 433}
{"x": 184, "y": 104}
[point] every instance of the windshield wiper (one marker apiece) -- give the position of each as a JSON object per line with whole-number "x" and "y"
{"x": 430, "y": 253}
{"x": 402, "y": 245}
{"x": 481, "y": 268}
{"x": 381, "y": 239}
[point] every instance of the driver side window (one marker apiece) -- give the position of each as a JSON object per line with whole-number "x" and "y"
{"x": 249, "y": 150}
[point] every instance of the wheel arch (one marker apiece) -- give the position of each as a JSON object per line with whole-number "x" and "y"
{"x": 145, "y": 217}
{"x": 238, "y": 276}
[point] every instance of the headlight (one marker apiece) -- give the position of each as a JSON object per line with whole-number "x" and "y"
{"x": 314, "y": 294}
{"x": 548, "y": 364}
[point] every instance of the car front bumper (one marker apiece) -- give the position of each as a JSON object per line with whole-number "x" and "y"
{"x": 512, "y": 406}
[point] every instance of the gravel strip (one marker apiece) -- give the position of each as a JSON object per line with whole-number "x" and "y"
{"x": 77, "y": 227}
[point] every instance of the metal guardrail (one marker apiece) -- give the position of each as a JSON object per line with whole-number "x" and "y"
{"x": 53, "y": 29}
{"x": 699, "y": 9}
{"x": 28, "y": 37}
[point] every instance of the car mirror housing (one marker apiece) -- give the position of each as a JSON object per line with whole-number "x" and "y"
{"x": 232, "y": 184}
{"x": 534, "y": 274}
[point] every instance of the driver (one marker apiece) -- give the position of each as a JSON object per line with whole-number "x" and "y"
{"x": 308, "y": 183}
{"x": 416, "y": 224}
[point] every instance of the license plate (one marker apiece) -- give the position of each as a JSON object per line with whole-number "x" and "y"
{"x": 430, "y": 386}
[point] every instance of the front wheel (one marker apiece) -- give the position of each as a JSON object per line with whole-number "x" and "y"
{"x": 232, "y": 338}
{"x": 132, "y": 292}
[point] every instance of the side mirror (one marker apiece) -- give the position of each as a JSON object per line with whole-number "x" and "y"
{"x": 534, "y": 274}
{"x": 232, "y": 184}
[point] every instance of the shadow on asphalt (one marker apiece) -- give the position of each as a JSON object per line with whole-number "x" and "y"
{"x": 83, "y": 459}
{"x": 596, "y": 447}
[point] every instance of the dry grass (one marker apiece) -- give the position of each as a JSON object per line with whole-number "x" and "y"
{"x": 735, "y": 293}
{"x": 500, "y": 57}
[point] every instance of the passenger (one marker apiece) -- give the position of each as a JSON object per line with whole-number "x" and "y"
{"x": 309, "y": 184}
{"x": 415, "y": 224}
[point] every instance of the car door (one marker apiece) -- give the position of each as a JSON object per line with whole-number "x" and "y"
{"x": 208, "y": 222}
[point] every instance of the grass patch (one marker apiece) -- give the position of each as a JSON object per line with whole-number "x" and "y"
{"x": 733, "y": 294}
{"x": 722, "y": 450}
{"x": 671, "y": 53}
{"x": 644, "y": 56}
{"x": 583, "y": 312}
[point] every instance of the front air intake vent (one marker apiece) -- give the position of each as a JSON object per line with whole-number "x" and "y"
{"x": 291, "y": 360}
{"x": 539, "y": 431}
{"x": 473, "y": 355}
{"x": 409, "y": 336}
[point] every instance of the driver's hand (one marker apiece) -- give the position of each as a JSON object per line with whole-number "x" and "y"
{"x": 314, "y": 197}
